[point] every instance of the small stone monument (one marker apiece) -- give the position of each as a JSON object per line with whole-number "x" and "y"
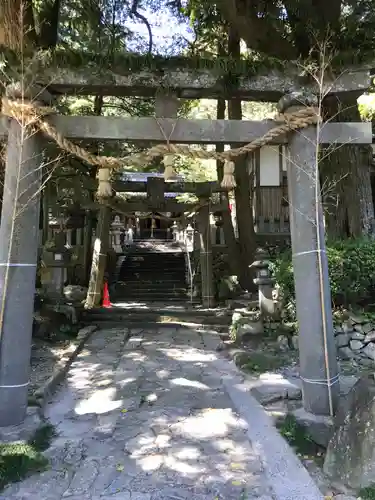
{"x": 116, "y": 228}
{"x": 189, "y": 237}
{"x": 57, "y": 257}
{"x": 264, "y": 282}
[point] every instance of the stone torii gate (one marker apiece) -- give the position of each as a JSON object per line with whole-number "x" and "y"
{"x": 20, "y": 218}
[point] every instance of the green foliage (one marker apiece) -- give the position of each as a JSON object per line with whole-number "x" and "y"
{"x": 258, "y": 362}
{"x": 19, "y": 460}
{"x": 299, "y": 438}
{"x": 351, "y": 265}
{"x": 366, "y": 106}
{"x": 367, "y": 493}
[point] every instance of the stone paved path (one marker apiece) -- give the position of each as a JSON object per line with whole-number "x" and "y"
{"x": 147, "y": 418}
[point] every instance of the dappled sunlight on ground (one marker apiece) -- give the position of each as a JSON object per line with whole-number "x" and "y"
{"x": 147, "y": 418}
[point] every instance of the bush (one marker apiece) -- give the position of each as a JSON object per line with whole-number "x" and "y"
{"x": 351, "y": 266}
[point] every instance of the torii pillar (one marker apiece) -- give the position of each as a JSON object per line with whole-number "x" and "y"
{"x": 317, "y": 349}
{"x": 205, "y": 249}
{"x": 19, "y": 240}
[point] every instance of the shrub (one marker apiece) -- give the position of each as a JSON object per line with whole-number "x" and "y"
{"x": 351, "y": 266}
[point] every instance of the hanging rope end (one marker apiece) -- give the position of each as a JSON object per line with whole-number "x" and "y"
{"x": 169, "y": 171}
{"x": 228, "y": 182}
{"x": 104, "y": 186}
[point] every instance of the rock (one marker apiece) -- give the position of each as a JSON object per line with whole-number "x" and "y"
{"x": 23, "y": 431}
{"x": 345, "y": 353}
{"x": 347, "y": 327}
{"x": 370, "y": 337}
{"x": 283, "y": 342}
{"x": 358, "y": 336}
{"x": 343, "y": 339}
{"x": 366, "y": 362}
{"x": 295, "y": 342}
{"x": 366, "y": 328}
{"x": 320, "y": 428}
{"x": 75, "y": 293}
{"x": 357, "y": 319}
{"x": 249, "y": 328}
{"x": 351, "y": 451}
{"x": 358, "y": 328}
{"x": 355, "y": 345}
{"x": 369, "y": 350}
{"x": 272, "y": 387}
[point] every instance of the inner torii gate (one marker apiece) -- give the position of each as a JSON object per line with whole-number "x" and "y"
{"x": 20, "y": 220}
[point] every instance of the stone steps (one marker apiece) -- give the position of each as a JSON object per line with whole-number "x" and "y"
{"x": 153, "y": 271}
{"x": 155, "y": 315}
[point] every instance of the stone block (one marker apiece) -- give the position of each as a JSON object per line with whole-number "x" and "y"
{"x": 370, "y": 337}
{"x": 347, "y": 327}
{"x": 356, "y": 319}
{"x": 356, "y": 345}
{"x": 351, "y": 451}
{"x": 272, "y": 387}
{"x": 358, "y": 336}
{"x": 345, "y": 353}
{"x": 369, "y": 350}
{"x": 343, "y": 339}
{"x": 250, "y": 328}
{"x": 320, "y": 428}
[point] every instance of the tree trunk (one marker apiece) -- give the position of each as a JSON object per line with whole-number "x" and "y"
{"x": 17, "y": 28}
{"x": 99, "y": 259}
{"x": 244, "y": 190}
{"x": 228, "y": 229}
{"x": 346, "y": 181}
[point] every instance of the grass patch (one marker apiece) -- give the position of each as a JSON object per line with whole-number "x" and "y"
{"x": 300, "y": 440}
{"x": 41, "y": 440}
{"x": 367, "y": 493}
{"x": 19, "y": 460}
{"x": 257, "y": 362}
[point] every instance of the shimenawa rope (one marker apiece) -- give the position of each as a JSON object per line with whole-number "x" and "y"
{"x": 32, "y": 114}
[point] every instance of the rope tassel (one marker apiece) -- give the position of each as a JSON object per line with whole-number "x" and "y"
{"x": 228, "y": 182}
{"x": 169, "y": 171}
{"x": 104, "y": 186}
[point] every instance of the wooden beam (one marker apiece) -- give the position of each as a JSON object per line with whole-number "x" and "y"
{"x": 190, "y": 83}
{"x": 191, "y": 131}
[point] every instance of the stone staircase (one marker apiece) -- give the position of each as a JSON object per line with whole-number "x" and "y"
{"x": 151, "y": 316}
{"x": 151, "y": 271}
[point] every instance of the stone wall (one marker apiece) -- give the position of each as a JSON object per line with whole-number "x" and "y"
{"x": 355, "y": 338}
{"x": 354, "y": 334}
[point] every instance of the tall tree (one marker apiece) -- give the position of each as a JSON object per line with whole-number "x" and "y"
{"x": 299, "y": 29}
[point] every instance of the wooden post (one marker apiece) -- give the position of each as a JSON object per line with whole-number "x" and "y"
{"x": 87, "y": 243}
{"x": 204, "y": 229}
{"x": 19, "y": 235}
{"x": 317, "y": 349}
{"x": 99, "y": 259}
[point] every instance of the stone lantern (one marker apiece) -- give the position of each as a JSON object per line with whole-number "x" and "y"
{"x": 57, "y": 258}
{"x": 116, "y": 229}
{"x": 189, "y": 237}
{"x": 264, "y": 282}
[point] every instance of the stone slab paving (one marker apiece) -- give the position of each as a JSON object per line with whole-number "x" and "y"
{"x": 154, "y": 416}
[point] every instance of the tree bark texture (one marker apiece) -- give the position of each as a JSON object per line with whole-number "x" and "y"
{"x": 346, "y": 180}
{"x": 245, "y": 187}
{"x": 228, "y": 229}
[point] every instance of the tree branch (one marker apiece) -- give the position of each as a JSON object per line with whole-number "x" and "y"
{"x": 256, "y": 31}
{"x": 134, "y": 12}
